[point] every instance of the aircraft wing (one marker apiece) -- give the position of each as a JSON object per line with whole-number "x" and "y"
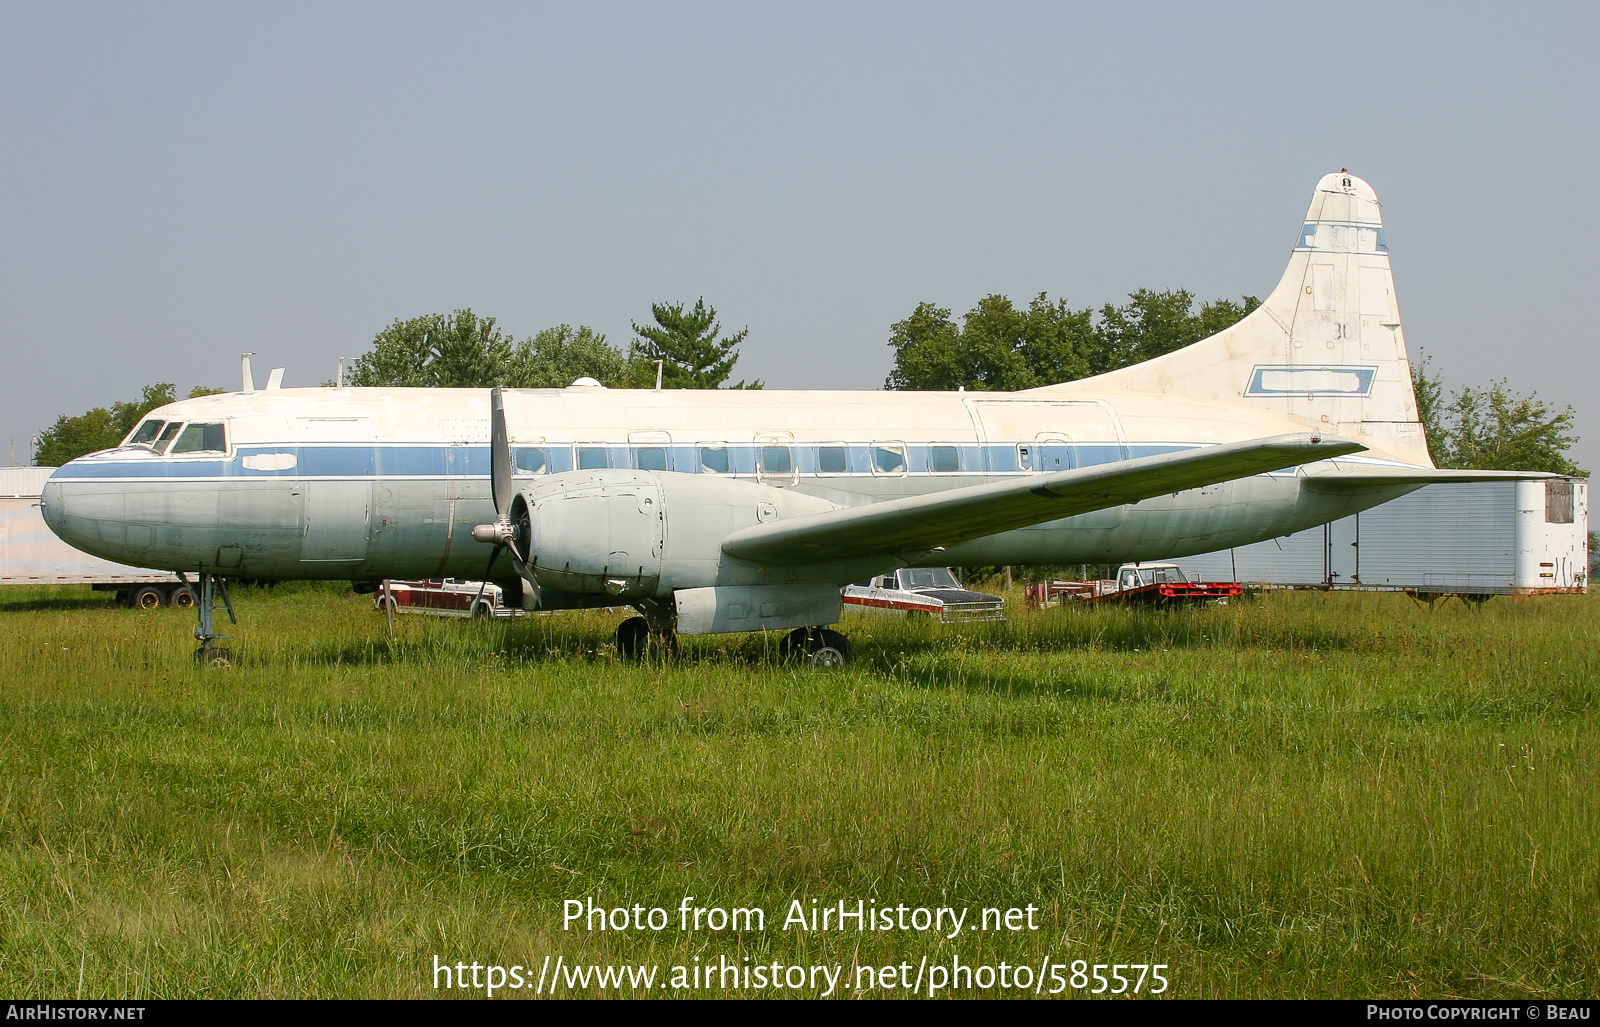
{"x": 920, "y": 524}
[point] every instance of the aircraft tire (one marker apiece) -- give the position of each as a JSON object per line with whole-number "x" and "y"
{"x": 633, "y": 638}
{"x": 820, "y": 647}
{"x": 213, "y": 656}
{"x": 148, "y": 598}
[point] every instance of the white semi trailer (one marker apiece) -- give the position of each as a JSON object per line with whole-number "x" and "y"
{"x": 31, "y": 554}
{"x": 1473, "y": 540}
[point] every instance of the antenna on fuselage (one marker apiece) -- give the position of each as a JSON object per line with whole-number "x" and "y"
{"x": 248, "y": 383}
{"x": 659, "y": 365}
{"x": 338, "y": 381}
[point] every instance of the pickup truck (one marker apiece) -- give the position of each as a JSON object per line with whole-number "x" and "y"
{"x": 924, "y": 591}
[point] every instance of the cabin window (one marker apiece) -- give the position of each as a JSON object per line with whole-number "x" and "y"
{"x": 530, "y": 461}
{"x": 650, "y": 458}
{"x": 1025, "y": 458}
{"x": 146, "y": 434}
{"x": 713, "y": 460}
{"x": 832, "y": 460}
{"x": 199, "y": 437}
{"x": 776, "y": 460}
{"x": 1558, "y": 502}
{"x": 889, "y": 459}
{"x": 593, "y": 458}
{"x": 945, "y": 460}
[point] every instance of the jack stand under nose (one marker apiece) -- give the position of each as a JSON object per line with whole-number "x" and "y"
{"x": 211, "y": 588}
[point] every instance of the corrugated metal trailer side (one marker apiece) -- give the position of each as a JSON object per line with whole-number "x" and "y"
{"x": 1457, "y": 538}
{"x": 1477, "y": 538}
{"x": 31, "y": 554}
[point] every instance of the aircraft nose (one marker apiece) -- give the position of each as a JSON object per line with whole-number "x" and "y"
{"x": 80, "y": 517}
{"x": 52, "y": 506}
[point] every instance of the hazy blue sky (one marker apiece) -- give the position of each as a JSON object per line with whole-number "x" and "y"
{"x": 185, "y": 181}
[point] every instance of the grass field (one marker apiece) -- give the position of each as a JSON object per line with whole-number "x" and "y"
{"x": 1310, "y": 795}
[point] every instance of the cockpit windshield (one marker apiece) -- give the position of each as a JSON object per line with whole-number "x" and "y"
{"x": 168, "y": 433}
{"x": 146, "y": 433}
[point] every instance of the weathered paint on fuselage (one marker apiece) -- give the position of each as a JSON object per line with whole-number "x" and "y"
{"x": 363, "y": 484}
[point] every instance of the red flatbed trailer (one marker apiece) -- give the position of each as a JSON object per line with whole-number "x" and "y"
{"x": 1150, "y": 585}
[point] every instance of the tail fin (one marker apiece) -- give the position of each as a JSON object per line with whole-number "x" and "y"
{"x": 1326, "y": 348}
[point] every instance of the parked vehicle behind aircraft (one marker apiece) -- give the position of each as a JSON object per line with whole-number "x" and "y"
{"x": 445, "y": 597}
{"x": 924, "y": 591}
{"x": 31, "y": 555}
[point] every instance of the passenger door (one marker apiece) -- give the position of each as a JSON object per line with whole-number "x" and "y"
{"x": 336, "y": 462}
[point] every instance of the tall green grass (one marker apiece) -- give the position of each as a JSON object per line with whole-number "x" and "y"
{"x": 1311, "y": 795}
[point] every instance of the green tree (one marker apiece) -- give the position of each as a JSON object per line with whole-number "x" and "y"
{"x": 101, "y": 428}
{"x": 687, "y": 343}
{"x": 998, "y": 348}
{"x": 1496, "y": 429}
{"x": 1002, "y": 348}
{"x": 927, "y": 352}
{"x": 559, "y": 356}
{"x": 1493, "y": 428}
{"x": 459, "y": 350}
{"x": 1429, "y": 391}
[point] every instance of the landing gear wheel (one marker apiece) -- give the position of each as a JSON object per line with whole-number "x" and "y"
{"x": 148, "y": 598}
{"x": 181, "y": 597}
{"x": 213, "y": 656}
{"x": 820, "y": 647}
{"x": 635, "y": 640}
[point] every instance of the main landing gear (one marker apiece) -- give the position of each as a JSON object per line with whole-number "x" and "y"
{"x": 208, "y": 588}
{"x": 820, "y": 647}
{"x": 650, "y": 635}
{"x": 653, "y": 635}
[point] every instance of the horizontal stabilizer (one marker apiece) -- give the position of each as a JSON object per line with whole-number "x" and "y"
{"x": 1361, "y": 478}
{"x": 922, "y": 524}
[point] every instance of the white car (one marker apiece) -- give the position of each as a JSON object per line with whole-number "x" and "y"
{"x": 930, "y": 591}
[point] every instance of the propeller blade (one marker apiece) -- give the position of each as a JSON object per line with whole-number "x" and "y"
{"x": 500, "y": 455}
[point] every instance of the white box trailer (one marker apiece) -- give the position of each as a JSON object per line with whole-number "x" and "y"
{"x": 1474, "y": 539}
{"x": 31, "y": 554}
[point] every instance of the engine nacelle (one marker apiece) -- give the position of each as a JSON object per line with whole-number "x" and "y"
{"x": 641, "y": 534}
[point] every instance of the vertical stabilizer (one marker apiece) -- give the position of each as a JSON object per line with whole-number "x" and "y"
{"x": 1326, "y": 348}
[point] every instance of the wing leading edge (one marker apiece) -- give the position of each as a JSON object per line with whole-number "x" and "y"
{"x": 921, "y": 524}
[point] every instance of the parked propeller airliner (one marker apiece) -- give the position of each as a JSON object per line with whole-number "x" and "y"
{"x": 717, "y": 511}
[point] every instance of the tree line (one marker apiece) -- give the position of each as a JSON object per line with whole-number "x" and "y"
{"x": 1000, "y": 347}
{"x": 463, "y": 350}
{"x": 996, "y": 346}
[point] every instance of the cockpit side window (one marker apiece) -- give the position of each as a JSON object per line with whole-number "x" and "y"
{"x": 146, "y": 433}
{"x": 200, "y": 437}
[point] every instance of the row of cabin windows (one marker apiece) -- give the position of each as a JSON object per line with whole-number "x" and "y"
{"x": 787, "y": 460}
{"x": 175, "y": 438}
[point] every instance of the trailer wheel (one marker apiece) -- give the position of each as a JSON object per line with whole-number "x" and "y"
{"x": 148, "y": 598}
{"x": 181, "y": 597}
